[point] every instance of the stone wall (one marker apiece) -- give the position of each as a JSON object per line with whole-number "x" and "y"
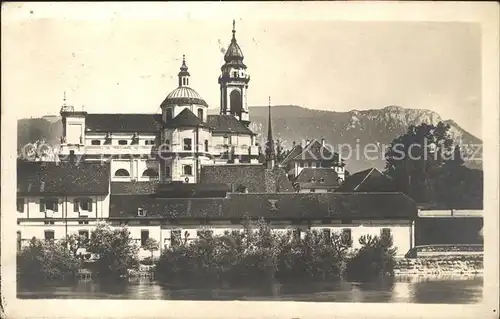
{"x": 440, "y": 265}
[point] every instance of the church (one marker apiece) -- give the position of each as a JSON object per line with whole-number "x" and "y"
{"x": 172, "y": 146}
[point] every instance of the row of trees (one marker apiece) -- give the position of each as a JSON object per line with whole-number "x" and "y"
{"x": 257, "y": 253}
{"x": 246, "y": 256}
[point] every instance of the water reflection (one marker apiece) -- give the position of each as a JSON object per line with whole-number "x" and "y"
{"x": 414, "y": 289}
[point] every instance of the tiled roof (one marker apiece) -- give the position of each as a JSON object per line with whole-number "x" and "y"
{"x": 141, "y": 123}
{"x": 183, "y": 95}
{"x": 369, "y": 180}
{"x": 176, "y": 208}
{"x": 185, "y": 118}
{"x": 124, "y": 188}
{"x": 270, "y": 206}
{"x": 317, "y": 178}
{"x": 296, "y": 150}
{"x": 227, "y": 124}
{"x": 315, "y": 150}
{"x": 255, "y": 178}
{"x": 49, "y": 178}
{"x": 182, "y": 190}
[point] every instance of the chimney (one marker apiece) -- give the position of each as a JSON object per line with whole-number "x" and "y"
{"x": 323, "y": 141}
{"x": 307, "y": 142}
{"x": 293, "y": 144}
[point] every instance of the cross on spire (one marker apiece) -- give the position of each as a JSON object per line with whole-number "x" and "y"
{"x": 234, "y": 28}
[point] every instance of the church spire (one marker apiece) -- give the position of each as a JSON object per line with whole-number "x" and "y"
{"x": 234, "y": 30}
{"x": 270, "y": 154}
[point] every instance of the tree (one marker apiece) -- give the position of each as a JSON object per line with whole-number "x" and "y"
{"x": 457, "y": 186}
{"x": 151, "y": 245}
{"x": 74, "y": 242}
{"x": 116, "y": 251}
{"x": 413, "y": 159}
{"x": 46, "y": 260}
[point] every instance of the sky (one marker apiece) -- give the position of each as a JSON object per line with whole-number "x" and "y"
{"x": 125, "y": 64}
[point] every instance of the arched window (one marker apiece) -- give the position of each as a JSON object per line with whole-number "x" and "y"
{"x": 150, "y": 173}
{"x": 235, "y": 100}
{"x": 167, "y": 171}
{"x": 187, "y": 81}
{"x": 122, "y": 172}
{"x": 200, "y": 114}
{"x": 95, "y": 142}
{"x": 206, "y": 146}
{"x": 188, "y": 170}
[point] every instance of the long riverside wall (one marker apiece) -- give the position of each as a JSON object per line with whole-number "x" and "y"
{"x": 440, "y": 265}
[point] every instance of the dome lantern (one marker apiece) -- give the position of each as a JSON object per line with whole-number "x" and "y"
{"x": 183, "y": 74}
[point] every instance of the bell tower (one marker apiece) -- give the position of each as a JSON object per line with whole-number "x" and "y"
{"x": 233, "y": 83}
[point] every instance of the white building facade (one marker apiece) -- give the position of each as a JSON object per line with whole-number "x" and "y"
{"x": 171, "y": 146}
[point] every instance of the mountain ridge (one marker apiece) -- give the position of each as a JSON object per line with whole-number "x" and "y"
{"x": 356, "y": 128}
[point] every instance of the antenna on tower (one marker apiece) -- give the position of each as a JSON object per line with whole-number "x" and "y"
{"x": 64, "y": 99}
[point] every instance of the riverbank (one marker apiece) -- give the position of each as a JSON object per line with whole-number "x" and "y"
{"x": 440, "y": 265}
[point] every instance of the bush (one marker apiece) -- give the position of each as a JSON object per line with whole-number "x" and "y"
{"x": 374, "y": 259}
{"x": 46, "y": 260}
{"x": 319, "y": 256}
{"x": 116, "y": 251}
{"x": 253, "y": 254}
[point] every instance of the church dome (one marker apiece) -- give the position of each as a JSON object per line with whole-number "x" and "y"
{"x": 184, "y": 95}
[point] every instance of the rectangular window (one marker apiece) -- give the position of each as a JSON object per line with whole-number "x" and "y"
{"x": 306, "y": 164}
{"x": 206, "y": 146}
{"x": 49, "y": 204}
{"x": 188, "y": 170}
{"x": 95, "y": 142}
{"x": 346, "y": 235}
{"x": 122, "y": 142}
{"x": 49, "y": 235}
{"x": 175, "y": 237}
{"x": 86, "y": 204}
{"x": 301, "y": 164}
{"x": 144, "y": 237}
{"x": 188, "y": 144}
{"x": 312, "y": 190}
{"x": 83, "y": 222}
{"x": 20, "y": 205}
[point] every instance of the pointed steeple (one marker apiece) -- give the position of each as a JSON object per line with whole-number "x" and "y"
{"x": 234, "y": 30}
{"x": 270, "y": 153}
{"x": 233, "y": 52}
{"x": 183, "y": 74}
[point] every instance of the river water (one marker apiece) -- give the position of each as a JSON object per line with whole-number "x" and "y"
{"x": 415, "y": 289}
